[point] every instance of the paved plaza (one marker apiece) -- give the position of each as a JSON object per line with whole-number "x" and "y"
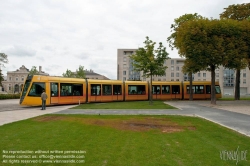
{"x": 237, "y": 118}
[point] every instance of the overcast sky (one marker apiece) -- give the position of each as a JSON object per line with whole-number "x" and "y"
{"x": 63, "y": 34}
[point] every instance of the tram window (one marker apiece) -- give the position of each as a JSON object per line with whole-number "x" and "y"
{"x": 217, "y": 89}
{"x": 26, "y": 86}
{"x": 36, "y": 89}
{"x": 136, "y": 89}
{"x": 156, "y": 89}
{"x": 197, "y": 89}
{"x": 77, "y": 89}
{"x": 66, "y": 89}
{"x": 117, "y": 89}
{"x": 175, "y": 89}
{"x": 165, "y": 89}
{"x": 132, "y": 89}
{"x": 54, "y": 89}
{"x": 141, "y": 89}
{"x": 106, "y": 89}
{"x": 95, "y": 89}
{"x": 208, "y": 89}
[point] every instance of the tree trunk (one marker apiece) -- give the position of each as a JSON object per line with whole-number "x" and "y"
{"x": 213, "y": 96}
{"x": 190, "y": 86}
{"x": 237, "y": 85}
{"x": 150, "y": 91}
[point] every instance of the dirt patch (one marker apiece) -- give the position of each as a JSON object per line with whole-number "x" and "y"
{"x": 48, "y": 118}
{"x": 163, "y": 125}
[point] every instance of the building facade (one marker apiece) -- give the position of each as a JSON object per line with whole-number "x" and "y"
{"x": 226, "y": 77}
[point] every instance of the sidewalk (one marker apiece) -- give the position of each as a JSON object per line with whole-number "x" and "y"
{"x": 17, "y": 115}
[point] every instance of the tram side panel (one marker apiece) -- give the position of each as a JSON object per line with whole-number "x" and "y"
{"x": 105, "y": 91}
{"x": 136, "y": 90}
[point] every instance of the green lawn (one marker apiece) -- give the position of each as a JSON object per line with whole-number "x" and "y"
{"x": 126, "y": 140}
{"x": 126, "y": 105}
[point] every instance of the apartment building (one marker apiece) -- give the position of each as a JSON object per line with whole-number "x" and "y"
{"x": 226, "y": 77}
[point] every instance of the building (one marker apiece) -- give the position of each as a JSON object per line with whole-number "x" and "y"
{"x": 226, "y": 77}
{"x": 15, "y": 79}
{"x": 90, "y": 74}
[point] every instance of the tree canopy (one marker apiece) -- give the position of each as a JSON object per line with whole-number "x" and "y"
{"x": 80, "y": 73}
{"x": 68, "y": 73}
{"x": 150, "y": 60}
{"x": 3, "y": 58}
{"x": 33, "y": 71}
{"x": 239, "y": 61}
{"x": 209, "y": 43}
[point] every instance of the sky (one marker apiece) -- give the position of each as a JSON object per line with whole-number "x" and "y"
{"x": 62, "y": 34}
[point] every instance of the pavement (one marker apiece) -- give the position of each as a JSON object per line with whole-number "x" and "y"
{"x": 10, "y": 111}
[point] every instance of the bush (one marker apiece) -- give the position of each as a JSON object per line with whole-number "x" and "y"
{"x": 9, "y": 96}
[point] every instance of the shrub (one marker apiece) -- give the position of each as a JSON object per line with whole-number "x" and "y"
{"x": 9, "y": 96}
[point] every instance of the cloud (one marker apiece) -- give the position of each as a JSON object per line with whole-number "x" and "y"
{"x": 18, "y": 50}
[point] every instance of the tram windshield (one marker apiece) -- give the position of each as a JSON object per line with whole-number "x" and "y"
{"x": 25, "y": 88}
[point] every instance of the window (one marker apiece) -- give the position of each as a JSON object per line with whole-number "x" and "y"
{"x": 124, "y": 72}
{"x": 117, "y": 90}
{"x": 124, "y": 53}
{"x": 204, "y": 74}
{"x": 175, "y": 89}
{"x": 54, "y": 89}
{"x": 159, "y": 79}
{"x": 177, "y": 74}
{"x": 124, "y": 78}
{"x": 165, "y": 89}
{"x": 172, "y": 68}
{"x": 204, "y": 79}
{"x": 37, "y": 89}
{"x": 136, "y": 89}
{"x": 124, "y": 59}
{"x": 177, "y": 79}
{"x": 22, "y": 79}
{"x": 95, "y": 89}
{"x": 217, "y": 89}
{"x": 177, "y": 68}
{"x": 172, "y": 74}
{"x": 244, "y": 74}
{"x": 244, "y": 81}
{"x": 16, "y": 78}
{"x": 68, "y": 89}
{"x": 208, "y": 89}
{"x": 172, "y": 79}
{"x": 10, "y": 78}
{"x": 106, "y": 90}
{"x": 124, "y": 65}
{"x": 172, "y": 62}
{"x": 217, "y": 74}
{"x": 197, "y": 89}
{"x": 156, "y": 89}
{"x": 9, "y": 86}
{"x": 199, "y": 74}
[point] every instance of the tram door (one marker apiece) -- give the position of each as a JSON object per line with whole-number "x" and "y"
{"x": 54, "y": 89}
{"x": 176, "y": 92}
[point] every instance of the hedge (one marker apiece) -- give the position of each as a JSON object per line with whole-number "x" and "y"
{"x": 9, "y": 96}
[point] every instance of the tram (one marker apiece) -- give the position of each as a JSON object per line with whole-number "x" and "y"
{"x": 61, "y": 90}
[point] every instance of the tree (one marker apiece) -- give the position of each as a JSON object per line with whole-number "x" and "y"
{"x": 237, "y": 12}
{"x": 188, "y": 65}
{"x": 68, "y": 73}
{"x": 80, "y": 72}
{"x": 150, "y": 61}
{"x": 3, "y": 60}
{"x": 33, "y": 71}
{"x": 208, "y": 44}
